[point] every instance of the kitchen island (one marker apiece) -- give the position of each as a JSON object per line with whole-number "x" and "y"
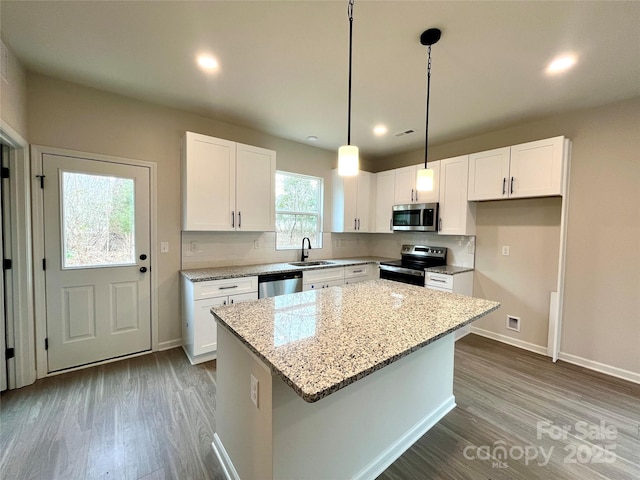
{"x": 347, "y": 378}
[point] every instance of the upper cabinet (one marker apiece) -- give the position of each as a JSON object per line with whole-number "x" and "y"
{"x": 457, "y": 215}
{"x": 532, "y": 169}
{"x": 405, "y": 185}
{"x": 351, "y": 202}
{"x": 385, "y": 199}
{"x": 226, "y": 185}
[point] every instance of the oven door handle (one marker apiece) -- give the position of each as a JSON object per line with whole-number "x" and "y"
{"x": 408, "y": 271}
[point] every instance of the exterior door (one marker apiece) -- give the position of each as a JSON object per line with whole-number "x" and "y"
{"x": 97, "y": 241}
{"x": 5, "y": 285}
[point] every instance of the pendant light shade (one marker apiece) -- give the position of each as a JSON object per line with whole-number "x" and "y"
{"x": 424, "y": 182}
{"x": 348, "y": 155}
{"x": 348, "y": 160}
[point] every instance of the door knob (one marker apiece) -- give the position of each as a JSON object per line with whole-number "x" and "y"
{"x": 143, "y": 257}
{"x": 143, "y": 269}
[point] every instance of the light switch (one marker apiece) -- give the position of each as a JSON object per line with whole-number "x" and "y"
{"x": 505, "y": 250}
{"x": 164, "y": 247}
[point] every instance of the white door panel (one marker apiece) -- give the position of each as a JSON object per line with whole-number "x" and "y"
{"x": 97, "y": 241}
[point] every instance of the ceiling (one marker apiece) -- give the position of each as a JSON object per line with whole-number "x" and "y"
{"x": 283, "y": 64}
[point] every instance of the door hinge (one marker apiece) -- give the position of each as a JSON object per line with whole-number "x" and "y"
{"x": 41, "y": 178}
{"x": 7, "y": 264}
{"x": 5, "y": 172}
{"x": 44, "y": 264}
{"x": 46, "y": 344}
{"x": 10, "y": 353}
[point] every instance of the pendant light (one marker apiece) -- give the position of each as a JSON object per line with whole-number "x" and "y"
{"x": 424, "y": 182}
{"x": 348, "y": 154}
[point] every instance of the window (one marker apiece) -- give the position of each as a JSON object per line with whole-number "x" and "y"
{"x": 298, "y": 210}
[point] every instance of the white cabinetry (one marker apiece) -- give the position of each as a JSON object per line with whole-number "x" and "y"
{"x": 457, "y": 215}
{"x": 532, "y": 169}
{"x": 405, "y": 185}
{"x": 227, "y": 185}
{"x": 358, "y": 273}
{"x": 351, "y": 202}
{"x": 322, "y": 278}
{"x": 461, "y": 283}
{"x": 199, "y": 336}
{"x": 385, "y": 198}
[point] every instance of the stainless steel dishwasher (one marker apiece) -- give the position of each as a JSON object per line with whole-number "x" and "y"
{"x": 276, "y": 284}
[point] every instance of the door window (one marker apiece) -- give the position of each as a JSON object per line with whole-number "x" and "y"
{"x": 98, "y": 227}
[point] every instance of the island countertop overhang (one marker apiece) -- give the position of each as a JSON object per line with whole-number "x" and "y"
{"x": 320, "y": 341}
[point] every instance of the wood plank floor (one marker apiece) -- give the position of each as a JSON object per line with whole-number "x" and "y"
{"x": 153, "y": 417}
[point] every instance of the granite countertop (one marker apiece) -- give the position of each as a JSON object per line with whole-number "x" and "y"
{"x": 220, "y": 273}
{"x": 448, "y": 269}
{"x": 323, "y": 340}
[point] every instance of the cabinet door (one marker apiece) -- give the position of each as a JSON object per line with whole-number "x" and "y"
{"x": 243, "y": 297}
{"x": 385, "y": 197}
{"x": 457, "y": 215}
{"x": 255, "y": 189}
{"x": 205, "y": 337}
{"x": 363, "y": 202}
{"x": 434, "y": 195}
{"x": 536, "y": 168}
{"x": 405, "y": 190}
{"x": 489, "y": 174}
{"x": 208, "y": 183}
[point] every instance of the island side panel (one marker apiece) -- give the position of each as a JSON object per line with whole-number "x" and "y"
{"x": 360, "y": 430}
{"x": 243, "y": 431}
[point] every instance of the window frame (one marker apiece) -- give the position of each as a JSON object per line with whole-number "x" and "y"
{"x": 319, "y": 214}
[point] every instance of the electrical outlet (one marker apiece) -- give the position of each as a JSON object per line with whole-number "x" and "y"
{"x": 506, "y": 250}
{"x": 513, "y": 323}
{"x": 254, "y": 391}
{"x": 193, "y": 246}
{"x": 164, "y": 247}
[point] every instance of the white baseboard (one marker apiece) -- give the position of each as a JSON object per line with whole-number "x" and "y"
{"x": 532, "y": 347}
{"x": 600, "y": 367}
{"x": 397, "y": 448}
{"x": 205, "y": 357}
{"x": 168, "y": 345}
{"x": 228, "y": 470}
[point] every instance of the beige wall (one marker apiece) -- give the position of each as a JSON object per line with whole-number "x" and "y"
{"x": 70, "y": 116}
{"x": 602, "y": 296}
{"x": 13, "y": 95}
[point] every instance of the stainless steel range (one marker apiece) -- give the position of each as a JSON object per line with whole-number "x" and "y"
{"x": 415, "y": 258}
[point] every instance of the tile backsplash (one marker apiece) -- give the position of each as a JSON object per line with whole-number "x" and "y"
{"x": 214, "y": 249}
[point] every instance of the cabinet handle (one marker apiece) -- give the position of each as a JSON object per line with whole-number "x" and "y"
{"x": 440, "y": 225}
{"x": 416, "y": 194}
{"x": 358, "y": 224}
{"x": 511, "y": 185}
{"x": 232, "y": 301}
{"x": 224, "y": 302}
{"x": 227, "y": 288}
{"x": 239, "y": 219}
{"x": 355, "y": 223}
{"x": 233, "y": 219}
{"x": 437, "y": 280}
{"x": 412, "y": 194}
{"x": 391, "y": 224}
{"x": 504, "y": 185}
{"x": 358, "y": 271}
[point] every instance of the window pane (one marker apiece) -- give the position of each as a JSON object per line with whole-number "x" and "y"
{"x": 297, "y": 194}
{"x": 97, "y": 221}
{"x": 291, "y": 229}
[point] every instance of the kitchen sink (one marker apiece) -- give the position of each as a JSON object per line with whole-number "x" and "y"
{"x": 310, "y": 264}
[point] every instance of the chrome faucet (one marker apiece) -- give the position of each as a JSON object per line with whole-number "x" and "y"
{"x": 302, "y": 255}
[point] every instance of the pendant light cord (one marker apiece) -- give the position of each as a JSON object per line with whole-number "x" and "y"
{"x": 350, "y": 15}
{"x": 426, "y": 123}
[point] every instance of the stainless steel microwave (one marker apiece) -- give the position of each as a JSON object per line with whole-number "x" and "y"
{"x": 416, "y": 217}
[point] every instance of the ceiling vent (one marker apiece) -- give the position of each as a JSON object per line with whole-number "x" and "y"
{"x": 405, "y": 132}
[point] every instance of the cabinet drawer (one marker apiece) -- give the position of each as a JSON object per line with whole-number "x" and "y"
{"x": 357, "y": 271}
{"x": 323, "y": 275}
{"x": 439, "y": 280}
{"x": 222, "y": 288}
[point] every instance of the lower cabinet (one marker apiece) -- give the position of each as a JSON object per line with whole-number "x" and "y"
{"x": 461, "y": 283}
{"x": 358, "y": 273}
{"x": 199, "y": 336}
{"x": 322, "y": 278}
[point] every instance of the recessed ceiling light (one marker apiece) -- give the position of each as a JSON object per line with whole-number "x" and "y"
{"x": 207, "y": 62}
{"x": 312, "y": 138}
{"x": 561, "y": 64}
{"x": 379, "y": 130}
